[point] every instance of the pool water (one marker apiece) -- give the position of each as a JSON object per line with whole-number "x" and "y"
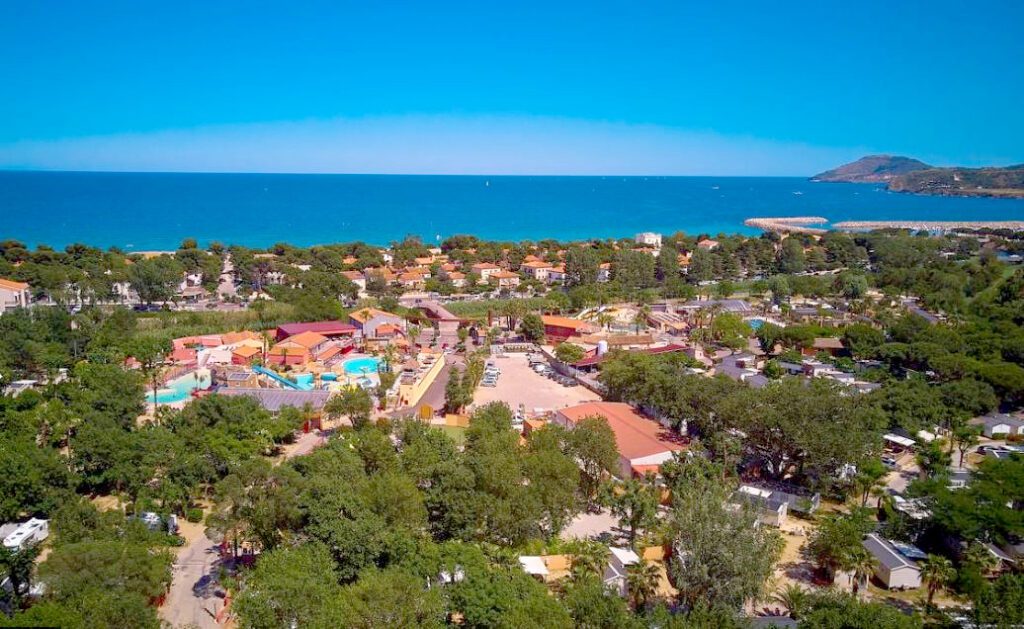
{"x": 360, "y": 366}
{"x": 755, "y": 324}
{"x": 304, "y": 380}
{"x": 181, "y": 388}
{"x": 329, "y": 376}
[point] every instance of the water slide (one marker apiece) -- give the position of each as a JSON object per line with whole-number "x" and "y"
{"x": 273, "y": 375}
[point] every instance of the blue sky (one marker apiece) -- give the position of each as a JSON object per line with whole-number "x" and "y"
{"x": 505, "y": 87}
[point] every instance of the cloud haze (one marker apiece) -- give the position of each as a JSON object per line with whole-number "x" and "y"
{"x": 420, "y": 144}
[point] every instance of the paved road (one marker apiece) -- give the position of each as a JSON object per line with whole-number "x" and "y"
{"x": 226, "y": 287}
{"x": 198, "y": 557}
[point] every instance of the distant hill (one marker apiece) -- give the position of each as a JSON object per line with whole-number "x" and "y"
{"x": 903, "y": 174}
{"x": 872, "y": 169}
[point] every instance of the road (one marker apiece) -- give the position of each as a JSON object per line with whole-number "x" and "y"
{"x": 187, "y": 605}
{"x": 226, "y": 288}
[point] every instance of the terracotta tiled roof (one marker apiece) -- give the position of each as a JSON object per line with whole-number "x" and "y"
{"x": 308, "y": 340}
{"x": 12, "y": 285}
{"x": 635, "y": 435}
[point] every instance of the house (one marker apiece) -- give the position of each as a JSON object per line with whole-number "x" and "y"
{"x": 668, "y": 322}
{"x": 14, "y": 295}
{"x": 775, "y": 505}
{"x": 546, "y": 568}
{"x": 446, "y": 322}
{"x": 330, "y": 329}
{"x": 367, "y": 320}
{"x": 959, "y": 477}
{"x": 771, "y": 510}
{"x": 505, "y": 279}
{"x": 893, "y": 567}
{"x": 707, "y": 244}
{"x": 457, "y": 279}
{"x": 412, "y": 280}
{"x": 485, "y": 270}
{"x": 245, "y": 354}
{"x": 558, "y": 329}
{"x": 535, "y": 269}
{"x": 643, "y": 444}
{"x": 829, "y": 345}
{"x": 648, "y": 239}
{"x": 274, "y": 400}
{"x": 556, "y": 275}
{"x": 357, "y": 278}
{"x": 1000, "y": 425}
{"x": 298, "y": 349}
{"x": 619, "y": 562}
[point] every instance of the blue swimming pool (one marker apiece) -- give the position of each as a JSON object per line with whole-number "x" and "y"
{"x": 329, "y": 376}
{"x": 755, "y": 324}
{"x": 181, "y": 388}
{"x": 304, "y": 380}
{"x": 360, "y": 366}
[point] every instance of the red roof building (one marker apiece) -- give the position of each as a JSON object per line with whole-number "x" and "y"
{"x": 643, "y": 444}
{"x": 330, "y": 329}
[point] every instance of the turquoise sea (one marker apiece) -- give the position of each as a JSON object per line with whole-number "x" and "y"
{"x": 145, "y": 211}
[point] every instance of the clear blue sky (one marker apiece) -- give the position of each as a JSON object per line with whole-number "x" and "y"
{"x": 553, "y": 87}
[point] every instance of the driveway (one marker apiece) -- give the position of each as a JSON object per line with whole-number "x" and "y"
{"x": 188, "y": 603}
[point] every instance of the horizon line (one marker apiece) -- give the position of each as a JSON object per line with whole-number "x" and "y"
{"x": 386, "y": 174}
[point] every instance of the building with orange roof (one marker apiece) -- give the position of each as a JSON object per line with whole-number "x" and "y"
{"x": 14, "y": 295}
{"x": 485, "y": 270}
{"x": 298, "y": 349}
{"x": 367, "y": 320}
{"x": 505, "y": 279}
{"x": 356, "y": 277}
{"x": 536, "y": 269}
{"x": 707, "y": 243}
{"x": 558, "y": 329}
{"x": 245, "y": 354}
{"x": 643, "y": 444}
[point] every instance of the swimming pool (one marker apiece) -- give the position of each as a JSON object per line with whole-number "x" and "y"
{"x": 304, "y": 380}
{"x": 755, "y": 324}
{"x": 360, "y": 366}
{"x": 181, "y": 388}
{"x": 329, "y": 376}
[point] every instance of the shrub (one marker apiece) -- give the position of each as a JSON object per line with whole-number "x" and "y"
{"x": 194, "y": 515}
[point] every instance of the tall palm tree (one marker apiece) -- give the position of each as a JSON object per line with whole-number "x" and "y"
{"x": 979, "y": 556}
{"x": 937, "y": 572}
{"x": 642, "y": 582}
{"x": 862, "y": 564}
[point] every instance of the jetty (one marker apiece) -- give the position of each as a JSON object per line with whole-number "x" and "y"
{"x": 929, "y": 226}
{"x": 788, "y": 224}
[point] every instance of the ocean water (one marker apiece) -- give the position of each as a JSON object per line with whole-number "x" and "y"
{"x": 146, "y": 211}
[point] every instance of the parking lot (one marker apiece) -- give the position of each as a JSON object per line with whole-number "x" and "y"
{"x": 518, "y": 384}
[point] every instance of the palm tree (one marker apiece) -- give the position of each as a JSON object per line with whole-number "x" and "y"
{"x": 979, "y": 556}
{"x": 794, "y": 598}
{"x": 642, "y": 582}
{"x": 936, "y": 571}
{"x": 605, "y": 319}
{"x": 589, "y": 559}
{"x": 640, "y": 318}
{"x": 862, "y": 564}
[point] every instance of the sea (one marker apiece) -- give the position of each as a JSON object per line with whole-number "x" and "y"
{"x": 156, "y": 211}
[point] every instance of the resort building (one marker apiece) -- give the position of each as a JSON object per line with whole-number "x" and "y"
{"x": 649, "y": 239}
{"x": 1000, "y": 425}
{"x": 536, "y": 269}
{"x": 558, "y": 329}
{"x": 357, "y": 278}
{"x": 368, "y": 320}
{"x": 505, "y": 279}
{"x": 299, "y": 349}
{"x": 485, "y": 270}
{"x": 643, "y": 444}
{"x": 14, "y": 295}
{"x": 330, "y": 329}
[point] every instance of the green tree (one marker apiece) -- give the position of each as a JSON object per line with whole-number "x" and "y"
{"x": 17, "y": 565}
{"x": 532, "y": 328}
{"x": 353, "y": 402}
{"x": 569, "y": 353}
{"x": 289, "y": 587}
{"x": 936, "y": 572}
{"x": 592, "y": 443}
{"x": 642, "y": 581}
{"x": 635, "y": 503}
{"x": 720, "y": 557}
{"x": 389, "y": 598}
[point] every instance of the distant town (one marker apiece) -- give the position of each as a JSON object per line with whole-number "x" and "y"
{"x": 729, "y": 430}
